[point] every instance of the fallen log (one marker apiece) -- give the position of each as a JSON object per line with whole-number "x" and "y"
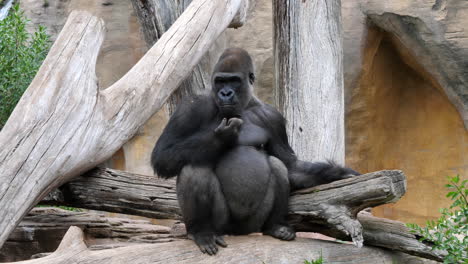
{"x": 330, "y": 209}
{"x": 241, "y": 249}
{"x": 65, "y": 124}
{"x": 44, "y": 227}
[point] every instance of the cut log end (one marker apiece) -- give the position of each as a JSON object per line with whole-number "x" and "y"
{"x": 72, "y": 241}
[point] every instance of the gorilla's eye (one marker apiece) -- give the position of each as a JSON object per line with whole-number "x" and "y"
{"x": 236, "y": 82}
{"x": 232, "y": 81}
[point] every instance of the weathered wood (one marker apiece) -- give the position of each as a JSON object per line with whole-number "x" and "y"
{"x": 64, "y": 125}
{"x": 338, "y": 203}
{"x": 120, "y": 192}
{"x": 241, "y": 249}
{"x": 44, "y": 227}
{"x": 395, "y": 235}
{"x": 328, "y": 209}
{"x": 309, "y": 76}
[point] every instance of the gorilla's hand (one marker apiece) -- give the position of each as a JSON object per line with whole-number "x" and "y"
{"x": 229, "y": 130}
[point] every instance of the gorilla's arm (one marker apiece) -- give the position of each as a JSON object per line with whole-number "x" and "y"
{"x": 302, "y": 174}
{"x": 188, "y": 138}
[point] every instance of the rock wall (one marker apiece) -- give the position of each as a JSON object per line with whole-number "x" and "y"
{"x": 399, "y": 119}
{"x": 406, "y": 79}
{"x": 406, "y": 83}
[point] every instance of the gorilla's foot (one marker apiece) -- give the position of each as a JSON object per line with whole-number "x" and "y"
{"x": 281, "y": 232}
{"x": 207, "y": 242}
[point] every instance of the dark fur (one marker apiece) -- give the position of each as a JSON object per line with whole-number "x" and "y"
{"x": 234, "y": 177}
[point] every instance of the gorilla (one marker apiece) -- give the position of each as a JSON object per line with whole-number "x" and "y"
{"x": 234, "y": 166}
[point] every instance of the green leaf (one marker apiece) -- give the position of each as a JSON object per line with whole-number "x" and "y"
{"x": 21, "y": 54}
{"x": 452, "y": 194}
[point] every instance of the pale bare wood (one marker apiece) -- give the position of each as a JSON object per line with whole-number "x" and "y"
{"x": 63, "y": 125}
{"x": 309, "y": 76}
{"x": 241, "y": 249}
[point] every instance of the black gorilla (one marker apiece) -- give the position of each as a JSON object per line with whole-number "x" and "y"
{"x": 234, "y": 164}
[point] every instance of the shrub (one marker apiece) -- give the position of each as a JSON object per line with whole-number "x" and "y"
{"x": 449, "y": 233}
{"x": 21, "y": 55}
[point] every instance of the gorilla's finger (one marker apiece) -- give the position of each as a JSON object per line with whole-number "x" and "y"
{"x": 220, "y": 241}
{"x": 235, "y": 122}
{"x": 214, "y": 248}
{"x": 202, "y": 248}
{"x": 210, "y": 250}
{"x": 290, "y": 236}
{"x": 222, "y": 125}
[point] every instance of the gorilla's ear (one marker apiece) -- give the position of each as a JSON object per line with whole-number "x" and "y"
{"x": 251, "y": 78}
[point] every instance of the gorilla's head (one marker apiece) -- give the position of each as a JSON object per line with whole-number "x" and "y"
{"x": 231, "y": 81}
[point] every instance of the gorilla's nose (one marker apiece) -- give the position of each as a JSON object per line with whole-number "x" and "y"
{"x": 226, "y": 95}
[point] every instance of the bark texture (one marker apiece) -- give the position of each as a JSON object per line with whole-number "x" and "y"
{"x": 63, "y": 125}
{"x": 330, "y": 209}
{"x": 43, "y": 228}
{"x": 241, "y": 249}
{"x": 309, "y": 76}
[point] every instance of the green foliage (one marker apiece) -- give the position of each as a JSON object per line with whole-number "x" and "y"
{"x": 68, "y": 208}
{"x": 450, "y": 232}
{"x": 21, "y": 55}
{"x": 316, "y": 261}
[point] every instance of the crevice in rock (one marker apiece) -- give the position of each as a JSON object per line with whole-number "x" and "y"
{"x": 399, "y": 116}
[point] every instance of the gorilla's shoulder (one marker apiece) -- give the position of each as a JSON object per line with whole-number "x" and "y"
{"x": 196, "y": 101}
{"x": 268, "y": 114}
{"x": 272, "y": 113}
{"x": 199, "y": 104}
{"x": 195, "y": 109}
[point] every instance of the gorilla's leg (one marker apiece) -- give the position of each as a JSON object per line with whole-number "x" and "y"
{"x": 203, "y": 207}
{"x": 276, "y": 225}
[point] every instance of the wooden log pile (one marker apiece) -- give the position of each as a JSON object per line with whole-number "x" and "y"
{"x": 241, "y": 249}
{"x": 43, "y": 228}
{"x": 331, "y": 209}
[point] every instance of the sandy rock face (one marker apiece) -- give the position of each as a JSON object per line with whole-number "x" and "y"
{"x": 406, "y": 83}
{"x": 123, "y": 45}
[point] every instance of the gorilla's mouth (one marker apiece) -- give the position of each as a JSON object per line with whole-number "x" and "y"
{"x": 228, "y": 105}
{"x": 229, "y": 110}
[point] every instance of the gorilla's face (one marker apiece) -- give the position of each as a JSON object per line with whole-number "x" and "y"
{"x": 231, "y": 93}
{"x": 231, "y": 82}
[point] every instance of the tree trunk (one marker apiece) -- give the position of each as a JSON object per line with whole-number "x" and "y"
{"x": 309, "y": 76}
{"x": 155, "y": 17}
{"x": 63, "y": 125}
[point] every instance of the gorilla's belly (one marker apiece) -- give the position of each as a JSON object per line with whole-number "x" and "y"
{"x": 245, "y": 176}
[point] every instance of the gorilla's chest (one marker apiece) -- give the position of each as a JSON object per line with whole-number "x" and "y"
{"x": 252, "y": 135}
